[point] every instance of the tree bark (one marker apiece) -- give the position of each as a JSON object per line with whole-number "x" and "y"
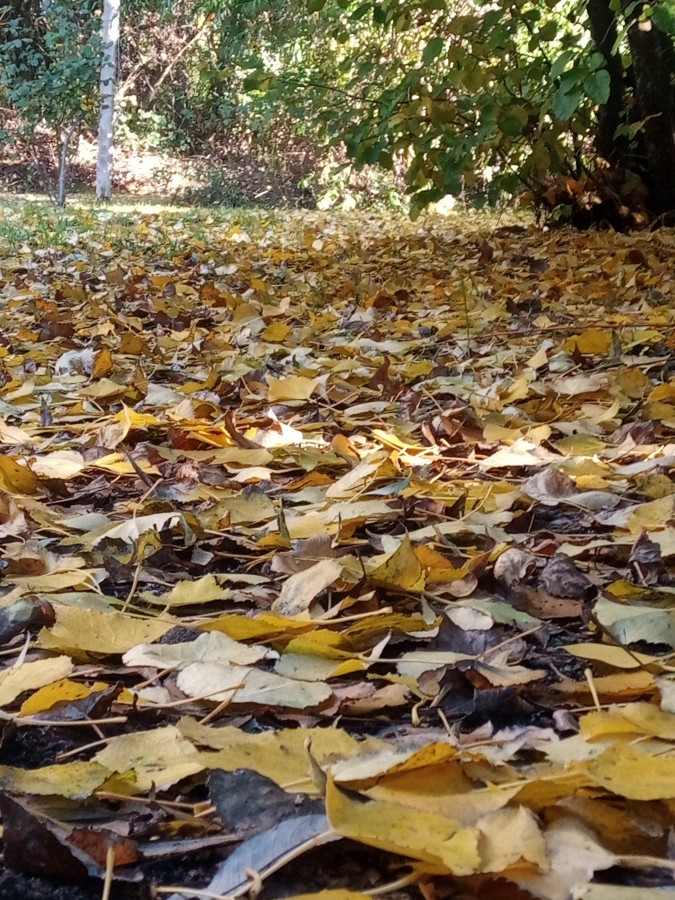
{"x": 110, "y": 33}
{"x": 603, "y": 30}
{"x": 653, "y": 66}
{"x": 62, "y": 184}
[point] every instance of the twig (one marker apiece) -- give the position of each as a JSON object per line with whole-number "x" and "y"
{"x": 401, "y": 882}
{"x": 68, "y": 723}
{"x": 193, "y": 892}
{"x": 588, "y": 675}
{"x": 68, "y": 753}
{"x": 109, "y": 867}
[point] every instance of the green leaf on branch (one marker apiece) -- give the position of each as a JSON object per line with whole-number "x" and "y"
{"x": 259, "y": 81}
{"x": 548, "y": 32}
{"x": 566, "y": 103}
{"x": 561, "y": 63}
{"x": 597, "y": 86}
{"x": 432, "y": 50}
{"x": 512, "y": 121}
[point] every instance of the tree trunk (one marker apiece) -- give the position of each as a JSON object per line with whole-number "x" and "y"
{"x": 653, "y": 66}
{"x": 62, "y": 184}
{"x": 110, "y": 33}
{"x": 603, "y": 29}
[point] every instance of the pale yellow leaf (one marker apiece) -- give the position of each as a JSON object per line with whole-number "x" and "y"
{"x": 292, "y": 387}
{"x": 301, "y": 589}
{"x": 409, "y": 832}
{"x": 159, "y": 758}
{"x": 401, "y": 570}
{"x": 32, "y": 675}
{"x": 16, "y": 479}
{"x": 92, "y": 631}
{"x": 280, "y": 755}
{"x": 222, "y": 682}
{"x": 212, "y": 646}
{"x": 74, "y": 780}
{"x": 189, "y": 593}
{"x": 630, "y": 772}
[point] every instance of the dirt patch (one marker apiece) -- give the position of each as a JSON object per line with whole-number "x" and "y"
{"x": 236, "y": 173}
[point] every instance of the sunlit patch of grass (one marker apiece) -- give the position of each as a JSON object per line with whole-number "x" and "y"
{"x": 164, "y": 231}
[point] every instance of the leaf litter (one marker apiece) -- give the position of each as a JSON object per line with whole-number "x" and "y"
{"x": 338, "y": 552}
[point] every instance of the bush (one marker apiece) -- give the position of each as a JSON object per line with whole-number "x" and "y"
{"x": 219, "y": 190}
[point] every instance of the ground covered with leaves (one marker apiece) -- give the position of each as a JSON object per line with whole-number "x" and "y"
{"x": 337, "y": 557}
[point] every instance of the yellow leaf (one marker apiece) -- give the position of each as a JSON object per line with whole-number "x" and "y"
{"x": 277, "y": 332}
{"x": 610, "y": 654}
{"x": 222, "y": 682}
{"x": 264, "y": 627}
{"x": 159, "y": 758}
{"x": 363, "y": 770}
{"x": 132, "y": 345}
{"x": 58, "y": 692}
{"x": 509, "y": 837}
{"x": 211, "y": 646}
{"x": 104, "y": 390}
{"x": 409, "y": 832}
{"x": 302, "y": 588}
{"x": 280, "y": 755}
{"x": 190, "y": 593}
{"x": 248, "y": 507}
{"x": 629, "y": 772}
{"x": 580, "y": 445}
{"x": 655, "y": 486}
{"x": 593, "y": 342}
{"x": 304, "y": 525}
{"x": 612, "y": 688}
{"x": 292, "y": 387}
{"x": 651, "y": 515}
{"x": 62, "y": 464}
{"x": 54, "y": 582}
{"x": 632, "y": 382}
{"x": 16, "y": 479}
{"x": 663, "y": 393}
{"x": 356, "y": 480}
{"x": 401, "y": 570}
{"x": 31, "y": 675}
{"x": 103, "y": 364}
{"x": 74, "y": 780}
{"x": 632, "y": 718}
{"x": 92, "y": 631}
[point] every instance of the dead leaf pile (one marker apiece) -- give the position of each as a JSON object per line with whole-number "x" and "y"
{"x": 317, "y": 528}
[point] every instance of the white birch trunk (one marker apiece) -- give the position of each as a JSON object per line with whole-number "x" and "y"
{"x": 110, "y": 34}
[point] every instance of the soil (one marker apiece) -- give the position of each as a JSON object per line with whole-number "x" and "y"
{"x": 234, "y": 174}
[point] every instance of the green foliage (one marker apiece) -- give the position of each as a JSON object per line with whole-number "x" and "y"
{"x": 338, "y": 185}
{"x": 452, "y": 98}
{"x": 219, "y": 190}
{"x": 49, "y": 60}
{"x": 463, "y": 99}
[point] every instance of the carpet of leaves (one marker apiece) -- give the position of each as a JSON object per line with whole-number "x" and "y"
{"x": 337, "y": 557}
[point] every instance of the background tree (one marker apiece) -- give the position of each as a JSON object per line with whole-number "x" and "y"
{"x": 48, "y": 64}
{"x": 490, "y": 99}
{"x": 569, "y": 101}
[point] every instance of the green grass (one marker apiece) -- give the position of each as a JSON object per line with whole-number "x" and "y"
{"x": 32, "y": 223}
{"x": 160, "y": 228}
